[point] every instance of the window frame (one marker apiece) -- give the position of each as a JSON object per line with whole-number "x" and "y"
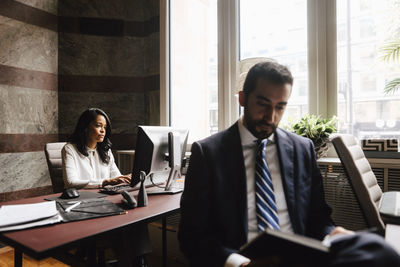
{"x": 164, "y": 63}
{"x": 322, "y": 62}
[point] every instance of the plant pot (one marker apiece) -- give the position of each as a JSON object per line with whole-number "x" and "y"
{"x": 321, "y": 147}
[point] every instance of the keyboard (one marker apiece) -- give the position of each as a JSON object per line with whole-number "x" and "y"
{"x": 117, "y": 189}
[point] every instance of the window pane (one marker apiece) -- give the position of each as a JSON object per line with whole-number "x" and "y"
{"x": 278, "y": 30}
{"x": 193, "y": 66}
{"x": 364, "y": 26}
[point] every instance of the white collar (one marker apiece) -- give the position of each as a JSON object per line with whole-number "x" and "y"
{"x": 90, "y": 150}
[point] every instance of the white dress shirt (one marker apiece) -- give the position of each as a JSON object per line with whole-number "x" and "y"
{"x": 86, "y": 171}
{"x": 249, "y": 146}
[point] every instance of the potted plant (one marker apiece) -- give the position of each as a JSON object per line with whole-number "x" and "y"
{"x": 317, "y": 129}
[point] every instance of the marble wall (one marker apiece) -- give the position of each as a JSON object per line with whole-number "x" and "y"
{"x": 28, "y": 91}
{"x": 60, "y": 57}
{"x": 109, "y": 58}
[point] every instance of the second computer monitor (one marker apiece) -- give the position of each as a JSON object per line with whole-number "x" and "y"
{"x": 153, "y": 146}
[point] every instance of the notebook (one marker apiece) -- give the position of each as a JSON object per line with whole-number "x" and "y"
{"x": 276, "y": 243}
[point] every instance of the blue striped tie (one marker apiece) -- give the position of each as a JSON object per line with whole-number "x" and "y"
{"x": 265, "y": 197}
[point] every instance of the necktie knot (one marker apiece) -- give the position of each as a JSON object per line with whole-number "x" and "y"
{"x": 261, "y": 144}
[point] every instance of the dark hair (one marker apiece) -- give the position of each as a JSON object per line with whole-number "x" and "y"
{"x": 270, "y": 70}
{"x": 79, "y": 135}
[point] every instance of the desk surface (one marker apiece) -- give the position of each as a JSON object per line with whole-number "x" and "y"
{"x": 392, "y": 236}
{"x": 40, "y": 242}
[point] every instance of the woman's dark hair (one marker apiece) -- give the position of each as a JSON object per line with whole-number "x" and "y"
{"x": 79, "y": 135}
{"x": 270, "y": 70}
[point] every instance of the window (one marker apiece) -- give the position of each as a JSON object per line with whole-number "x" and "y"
{"x": 266, "y": 31}
{"x": 363, "y": 109}
{"x": 332, "y": 48}
{"x": 193, "y": 66}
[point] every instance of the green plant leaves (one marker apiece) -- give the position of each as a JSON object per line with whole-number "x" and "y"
{"x": 314, "y": 127}
{"x": 391, "y": 51}
{"x": 392, "y": 86}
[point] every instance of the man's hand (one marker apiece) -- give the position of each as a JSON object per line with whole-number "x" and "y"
{"x": 117, "y": 180}
{"x": 340, "y": 230}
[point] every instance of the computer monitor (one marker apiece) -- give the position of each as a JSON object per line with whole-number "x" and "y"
{"x": 159, "y": 153}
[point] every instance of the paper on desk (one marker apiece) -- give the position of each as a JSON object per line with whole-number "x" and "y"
{"x": 55, "y": 219}
{"x": 14, "y": 215}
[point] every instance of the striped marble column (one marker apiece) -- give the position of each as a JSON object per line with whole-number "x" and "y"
{"x": 59, "y": 57}
{"x": 28, "y": 94}
{"x": 109, "y": 58}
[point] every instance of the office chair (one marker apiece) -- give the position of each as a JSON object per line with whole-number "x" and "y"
{"x": 54, "y": 162}
{"x": 361, "y": 178}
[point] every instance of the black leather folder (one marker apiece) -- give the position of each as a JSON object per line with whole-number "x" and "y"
{"x": 88, "y": 209}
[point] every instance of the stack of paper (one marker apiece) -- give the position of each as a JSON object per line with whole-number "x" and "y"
{"x": 15, "y": 217}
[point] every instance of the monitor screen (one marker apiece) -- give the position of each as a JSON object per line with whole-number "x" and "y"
{"x": 152, "y": 152}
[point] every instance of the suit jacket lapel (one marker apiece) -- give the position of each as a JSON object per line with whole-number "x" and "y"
{"x": 234, "y": 152}
{"x": 286, "y": 160}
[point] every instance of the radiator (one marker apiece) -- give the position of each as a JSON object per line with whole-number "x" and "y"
{"x": 346, "y": 211}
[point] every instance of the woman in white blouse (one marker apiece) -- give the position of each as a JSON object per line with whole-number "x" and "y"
{"x": 87, "y": 158}
{"x": 88, "y": 162}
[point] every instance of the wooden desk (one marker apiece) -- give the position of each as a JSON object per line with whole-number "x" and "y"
{"x": 50, "y": 240}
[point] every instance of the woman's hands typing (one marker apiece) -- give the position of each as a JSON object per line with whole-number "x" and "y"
{"x": 117, "y": 180}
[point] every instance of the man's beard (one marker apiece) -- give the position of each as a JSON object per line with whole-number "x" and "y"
{"x": 253, "y": 124}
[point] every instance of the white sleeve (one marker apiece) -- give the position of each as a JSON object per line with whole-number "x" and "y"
{"x": 235, "y": 260}
{"x": 70, "y": 169}
{"x": 114, "y": 171}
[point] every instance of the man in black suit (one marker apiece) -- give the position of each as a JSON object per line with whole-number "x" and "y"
{"x": 219, "y": 210}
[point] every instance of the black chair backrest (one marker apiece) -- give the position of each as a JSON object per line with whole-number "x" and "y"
{"x": 54, "y": 162}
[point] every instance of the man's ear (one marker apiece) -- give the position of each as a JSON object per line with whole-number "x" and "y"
{"x": 242, "y": 98}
